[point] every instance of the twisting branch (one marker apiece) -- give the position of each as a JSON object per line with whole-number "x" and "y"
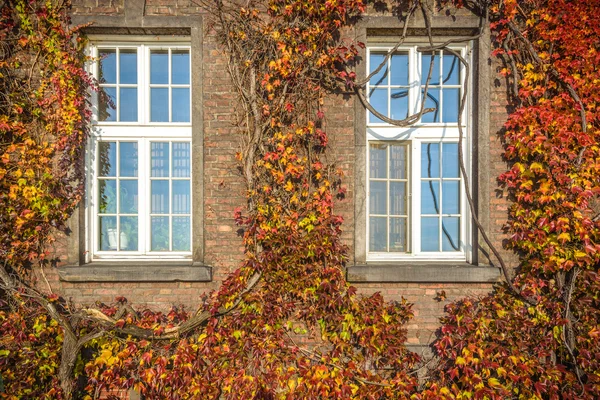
{"x": 198, "y": 320}
{"x": 568, "y": 334}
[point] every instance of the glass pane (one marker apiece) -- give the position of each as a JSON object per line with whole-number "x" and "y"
{"x": 159, "y": 159}
{"x": 451, "y": 69}
{"x": 181, "y": 160}
{"x": 159, "y": 196}
{"x": 430, "y": 160}
{"x": 128, "y": 239}
{"x": 128, "y": 66}
{"x": 379, "y": 100}
{"x": 107, "y": 196}
{"x": 397, "y": 198}
{"x": 398, "y": 162}
{"x": 430, "y": 197}
{"x": 398, "y": 237}
{"x": 379, "y": 78}
{"x": 107, "y": 159}
{"x": 450, "y": 234}
{"x": 159, "y": 105}
{"x": 181, "y": 105}
{"x": 181, "y": 234}
{"x": 430, "y": 234}
{"x": 180, "y": 65}
{"x": 107, "y": 103}
{"x": 432, "y": 101}
{"x": 108, "y": 66}
{"x": 425, "y": 65}
{"x": 399, "y": 69}
{"x": 377, "y": 234}
{"x": 378, "y": 161}
{"x": 159, "y": 235}
{"x": 128, "y": 104}
{"x": 181, "y": 197}
{"x": 451, "y": 103}
{"x": 451, "y": 197}
{"x": 128, "y": 159}
{"x": 399, "y": 103}
{"x": 128, "y": 190}
{"x": 108, "y": 233}
{"x": 450, "y": 160}
{"x": 377, "y": 198}
{"x": 159, "y": 67}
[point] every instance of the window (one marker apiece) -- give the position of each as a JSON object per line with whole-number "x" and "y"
{"x": 415, "y": 199}
{"x": 140, "y": 158}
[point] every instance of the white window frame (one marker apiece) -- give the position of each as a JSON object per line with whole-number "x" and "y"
{"x": 415, "y": 136}
{"x": 144, "y": 132}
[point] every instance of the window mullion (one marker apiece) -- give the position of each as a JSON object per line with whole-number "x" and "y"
{"x": 170, "y": 89}
{"x": 416, "y": 196}
{"x": 387, "y": 195}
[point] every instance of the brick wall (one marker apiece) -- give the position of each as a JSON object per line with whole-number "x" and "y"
{"x": 224, "y": 190}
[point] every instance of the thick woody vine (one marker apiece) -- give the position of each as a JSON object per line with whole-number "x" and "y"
{"x": 536, "y": 336}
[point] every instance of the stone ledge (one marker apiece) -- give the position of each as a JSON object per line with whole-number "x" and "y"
{"x": 136, "y": 271}
{"x": 420, "y": 272}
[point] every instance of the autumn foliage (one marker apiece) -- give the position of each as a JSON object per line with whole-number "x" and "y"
{"x": 286, "y": 324}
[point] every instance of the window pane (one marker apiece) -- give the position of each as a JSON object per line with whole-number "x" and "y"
{"x": 450, "y": 234}
{"x": 398, "y": 162}
{"x": 107, "y": 196}
{"x": 159, "y": 67}
{"x": 128, "y": 66}
{"x": 128, "y": 104}
{"x": 430, "y": 234}
{"x": 399, "y": 69}
{"x": 378, "y": 161}
{"x": 451, "y": 103}
{"x": 128, "y": 190}
{"x": 379, "y": 100}
{"x": 432, "y": 101}
{"x": 108, "y": 66}
{"x": 451, "y": 197}
{"x": 398, "y": 237}
{"x": 107, "y": 159}
{"x": 128, "y": 239}
{"x": 181, "y": 234}
{"x": 379, "y": 78}
{"x": 128, "y": 159}
{"x": 159, "y": 159}
{"x": 451, "y": 69}
{"x": 430, "y": 160}
{"x": 159, "y": 105}
{"x": 377, "y": 198}
{"x": 377, "y": 234}
{"x": 159, "y": 196}
{"x": 108, "y": 233}
{"x": 399, "y": 103}
{"x": 430, "y": 197}
{"x": 181, "y": 197}
{"x": 159, "y": 235}
{"x": 425, "y": 65}
{"x": 107, "y": 102}
{"x": 181, "y": 160}
{"x": 450, "y": 160}
{"x": 181, "y": 105}
{"x": 180, "y": 65}
{"x": 397, "y": 198}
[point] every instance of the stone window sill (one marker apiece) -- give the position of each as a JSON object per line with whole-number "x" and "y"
{"x": 422, "y": 272}
{"x": 136, "y": 271}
